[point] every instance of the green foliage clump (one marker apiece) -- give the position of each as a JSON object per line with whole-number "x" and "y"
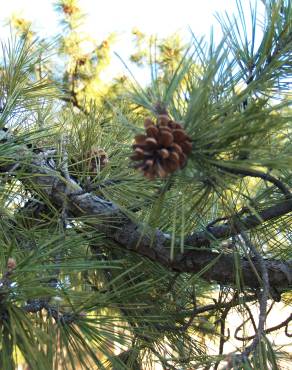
{"x": 78, "y": 292}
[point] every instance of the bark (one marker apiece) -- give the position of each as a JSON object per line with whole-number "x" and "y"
{"x": 106, "y": 218}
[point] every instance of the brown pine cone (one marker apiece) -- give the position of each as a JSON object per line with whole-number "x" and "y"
{"x": 163, "y": 150}
{"x": 90, "y": 162}
{"x": 95, "y": 160}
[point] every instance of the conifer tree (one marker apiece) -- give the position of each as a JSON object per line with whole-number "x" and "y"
{"x": 133, "y": 225}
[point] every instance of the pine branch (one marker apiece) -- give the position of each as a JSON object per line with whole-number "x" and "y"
{"x": 223, "y": 338}
{"x": 72, "y": 97}
{"x": 255, "y": 173}
{"x": 222, "y": 305}
{"x": 284, "y": 323}
{"x": 264, "y": 295}
{"x": 227, "y": 230}
{"x": 127, "y": 234}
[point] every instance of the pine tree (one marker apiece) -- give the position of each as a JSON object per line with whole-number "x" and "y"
{"x": 104, "y": 266}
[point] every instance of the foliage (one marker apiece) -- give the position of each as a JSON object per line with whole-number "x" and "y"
{"x": 106, "y": 269}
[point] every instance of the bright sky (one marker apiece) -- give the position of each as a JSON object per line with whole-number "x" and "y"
{"x": 161, "y": 17}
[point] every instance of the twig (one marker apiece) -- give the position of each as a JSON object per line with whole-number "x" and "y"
{"x": 223, "y": 338}
{"x": 72, "y": 93}
{"x": 251, "y": 318}
{"x": 265, "y": 291}
{"x": 232, "y": 303}
{"x": 238, "y": 358}
{"x": 227, "y": 230}
{"x": 269, "y": 330}
{"x": 211, "y": 307}
{"x": 259, "y": 174}
{"x": 225, "y": 218}
{"x": 252, "y": 321}
{"x": 192, "y": 317}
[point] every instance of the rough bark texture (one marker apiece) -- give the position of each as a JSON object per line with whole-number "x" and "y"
{"x": 108, "y": 219}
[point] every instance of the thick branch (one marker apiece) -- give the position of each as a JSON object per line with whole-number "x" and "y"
{"x": 106, "y": 218}
{"x": 155, "y": 245}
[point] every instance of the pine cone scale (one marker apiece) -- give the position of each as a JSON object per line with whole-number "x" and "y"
{"x": 165, "y": 139}
{"x": 151, "y": 143}
{"x": 179, "y": 135}
{"x": 152, "y": 131}
{"x": 140, "y": 138}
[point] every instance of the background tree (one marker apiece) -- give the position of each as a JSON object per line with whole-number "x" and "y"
{"x": 105, "y": 266}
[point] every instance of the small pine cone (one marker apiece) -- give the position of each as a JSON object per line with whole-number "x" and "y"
{"x": 11, "y": 264}
{"x": 95, "y": 160}
{"x": 163, "y": 149}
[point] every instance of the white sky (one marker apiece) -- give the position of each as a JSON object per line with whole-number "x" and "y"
{"x": 161, "y": 17}
{"x": 151, "y": 16}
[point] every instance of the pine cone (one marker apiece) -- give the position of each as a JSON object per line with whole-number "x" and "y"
{"x": 164, "y": 148}
{"x": 90, "y": 162}
{"x": 95, "y": 160}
